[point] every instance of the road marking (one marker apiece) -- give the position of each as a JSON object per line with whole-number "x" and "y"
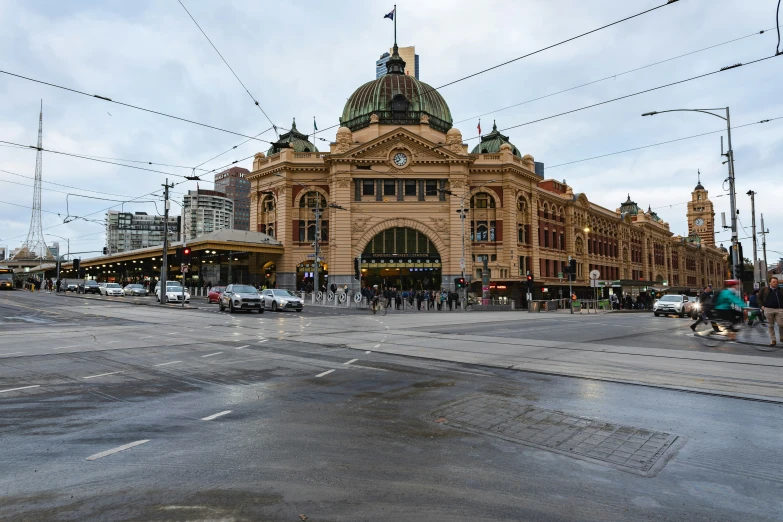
{"x": 240, "y": 347}
{"x": 116, "y": 450}
{"x": 308, "y": 324}
{"x": 207, "y": 327}
{"x": 172, "y": 333}
{"x": 262, "y": 341}
{"x": 211, "y": 354}
{"x": 146, "y": 337}
{"x": 368, "y": 351}
{"x": 66, "y": 347}
{"x": 25, "y": 387}
{"x": 164, "y": 364}
{"x": 112, "y": 342}
{"x": 351, "y": 361}
{"x": 100, "y": 375}
{"x": 327, "y": 372}
{"x": 215, "y": 416}
{"x": 10, "y": 353}
{"x": 377, "y": 346}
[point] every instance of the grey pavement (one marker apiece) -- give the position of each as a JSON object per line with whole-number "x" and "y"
{"x": 116, "y": 412}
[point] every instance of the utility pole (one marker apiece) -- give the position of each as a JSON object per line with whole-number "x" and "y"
{"x": 164, "y": 258}
{"x": 733, "y": 198}
{"x": 756, "y": 267}
{"x": 317, "y": 244}
{"x": 764, "y": 233}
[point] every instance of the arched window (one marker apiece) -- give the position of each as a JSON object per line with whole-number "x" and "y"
{"x": 482, "y": 200}
{"x": 312, "y": 199}
{"x": 267, "y": 215}
{"x": 399, "y": 103}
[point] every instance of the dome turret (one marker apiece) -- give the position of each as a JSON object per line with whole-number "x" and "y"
{"x": 491, "y": 143}
{"x": 396, "y": 98}
{"x": 292, "y": 139}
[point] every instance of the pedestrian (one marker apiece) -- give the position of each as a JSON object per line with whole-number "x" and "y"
{"x": 753, "y": 300}
{"x": 705, "y": 301}
{"x": 419, "y": 299}
{"x": 771, "y": 299}
{"x": 397, "y": 298}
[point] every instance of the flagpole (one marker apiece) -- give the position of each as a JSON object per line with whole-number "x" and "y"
{"x": 395, "y": 24}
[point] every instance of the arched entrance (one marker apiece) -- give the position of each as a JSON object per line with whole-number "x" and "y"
{"x": 401, "y": 257}
{"x": 305, "y": 275}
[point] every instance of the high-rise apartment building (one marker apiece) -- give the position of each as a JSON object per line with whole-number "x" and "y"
{"x": 408, "y": 54}
{"x": 205, "y": 211}
{"x": 131, "y": 231}
{"x": 234, "y": 183}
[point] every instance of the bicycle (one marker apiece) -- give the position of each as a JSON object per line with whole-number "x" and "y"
{"x": 753, "y": 331}
{"x": 377, "y": 306}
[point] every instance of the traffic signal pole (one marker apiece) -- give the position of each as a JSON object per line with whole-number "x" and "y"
{"x": 164, "y": 258}
{"x": 570, "y": 291}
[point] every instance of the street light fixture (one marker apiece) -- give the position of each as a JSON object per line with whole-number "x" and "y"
{"x": 732, "y": 195}
{"x": 59, "y": 257}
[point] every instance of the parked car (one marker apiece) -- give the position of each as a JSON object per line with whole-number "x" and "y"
{"x": 174, "y": 293}
{"x": 112, "y": 290}
{"x": 671, "y": 304}
{"x": 72, "y": 287}
{"x": 135, "y": 289}
{"x": 276, "y": 300}
{"x": 241, "y": 297}
{"x": 214, "y": 294}
{"x": 88, "y": 287}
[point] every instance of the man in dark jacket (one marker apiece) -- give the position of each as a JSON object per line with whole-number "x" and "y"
{"x": 771, "y": 299}
{"x": 705, "y": 300}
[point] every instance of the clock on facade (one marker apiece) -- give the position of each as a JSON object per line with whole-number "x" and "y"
{"x": 400, "y": 159}
{"x": 698, "y": 222}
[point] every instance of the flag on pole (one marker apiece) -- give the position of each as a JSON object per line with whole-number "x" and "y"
{"x": 390, "y": 15}
{"x": 315, "y": 127}
{"x": 479, "y": 127}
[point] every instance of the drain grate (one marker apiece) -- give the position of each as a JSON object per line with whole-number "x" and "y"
{"x": 627, "y": 448}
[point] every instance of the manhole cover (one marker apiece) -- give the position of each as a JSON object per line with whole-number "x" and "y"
{"x": 625, "y": 447}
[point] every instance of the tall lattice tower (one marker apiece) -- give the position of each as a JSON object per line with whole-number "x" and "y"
{"x": 34, "y": 246}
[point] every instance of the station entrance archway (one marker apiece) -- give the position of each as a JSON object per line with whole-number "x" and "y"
{"x": 401, "y": 257}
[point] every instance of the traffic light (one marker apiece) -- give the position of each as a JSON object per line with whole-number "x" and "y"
{"x": 357, "y": 271}
{"x": 105, "y": 251}
{"x": 76, "y": 264}
{"x": 530, "y": 281}
{"x": 459, "y": 283}
{"x": 572, "y": 269}
{"x": 186, "y": 255}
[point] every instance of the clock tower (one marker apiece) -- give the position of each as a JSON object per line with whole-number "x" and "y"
{"x": 701, "y": 216}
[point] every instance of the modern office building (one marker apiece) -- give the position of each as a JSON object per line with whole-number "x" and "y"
{"x": 127, "y": 231}
{"x": 234, "y": 183}
{"x": 409, "y": 56}
{"x": 54, "y": 249}
{"x": 205, "y": 211}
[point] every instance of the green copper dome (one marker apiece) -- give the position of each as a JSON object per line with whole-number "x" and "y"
{"x": 292, "y": 139}
{"x": 490, "y": 144}
{"x": 396, "y": 98}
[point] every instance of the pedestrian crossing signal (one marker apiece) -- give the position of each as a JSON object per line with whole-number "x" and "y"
{"x": 459, "y": 282}
{"x": 186, "y": 256}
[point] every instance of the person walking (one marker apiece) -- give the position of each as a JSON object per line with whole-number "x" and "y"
{"x": 771, "y": 299}
{"x": 419, "y": 298}
{"x": 705, "y": 300}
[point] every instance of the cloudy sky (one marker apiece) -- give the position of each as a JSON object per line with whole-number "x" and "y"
{"x": 303, "y": 59}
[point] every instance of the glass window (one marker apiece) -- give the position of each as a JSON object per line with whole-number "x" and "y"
{"x": 492, "y": 231}
{"x": 410, "y": 187}
{"x": 431, "y": 187}
{"x": 368, "y": 187}
{"x": 389, "y": 187}
{"x": 482, "y": 200}
{"x": 482, "y": 231}
{"x": 312, "y": 200}
{"x": 493, "y": 257}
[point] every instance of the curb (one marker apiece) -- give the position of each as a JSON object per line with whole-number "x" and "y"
{"x": 127, "y": 302}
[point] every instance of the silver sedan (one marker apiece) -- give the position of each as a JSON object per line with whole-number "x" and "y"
{"x": 135, "y": 290}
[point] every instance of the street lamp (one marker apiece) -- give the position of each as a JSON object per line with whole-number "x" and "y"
{"x": 59, "y": 257}
{"x": 732, "y": 195}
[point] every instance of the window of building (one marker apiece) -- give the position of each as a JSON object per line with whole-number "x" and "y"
{"x": 431, "y": 187}
{"x": 307, "y": 231}
{"x": 389, "y": 187}
{"x": 493, "y": 257}
{"x": 312, "y": 199}
{"x": 410, "y": 187}
{"x": 482, "y": 200}
{"x": 368, "y": 187}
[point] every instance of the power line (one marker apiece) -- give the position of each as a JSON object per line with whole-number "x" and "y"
{"x": 25, "y": 206}
{"x": 613, "y": 76}
{"x": 61, "y": 185}
{"x": 232, "y": 148}
{"x": 104, "y": 98}
{"x": 661, "y": 143}
{"x": 227, "y": 65}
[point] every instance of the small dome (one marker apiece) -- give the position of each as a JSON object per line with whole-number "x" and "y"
{"x": 396, "y": 98}
{"x": 490, "y": 144}
{"x": 629, "y": 207}
{"x": 292, "y": 139}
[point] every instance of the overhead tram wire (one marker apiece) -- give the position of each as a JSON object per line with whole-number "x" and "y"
{"x": 232, "y": 148}
{"x": 61, "y": 185}
{"x": 612, "y": 76}
{"x": 229, "y": 67}
{"x": 151, "y": 111}
{"x": 661, "y": 143}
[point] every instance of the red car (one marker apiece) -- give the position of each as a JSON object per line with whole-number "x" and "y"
{"x": 214, "y": 293}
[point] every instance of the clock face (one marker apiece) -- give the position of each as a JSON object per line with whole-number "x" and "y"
{"x": 400, "y": 159}
{"x": 699, "y": 222}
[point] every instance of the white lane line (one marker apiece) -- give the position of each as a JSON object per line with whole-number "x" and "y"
{"x": 207, "y": 327}
{"x": 211, "y": 354}
{"x": 262, "y": 341}
{"x": 377, "y": 346}
{"x": 308, "y": 324}
{"x": 351, "y": 361}
{"x": 66, "y": 347}
{"x": 368, "y": 351}
{"x": 240, "y": 347}
{"x": 116, "y": 450}
{"x": 215, "y": 416}
{"x": 100, "y": 375}
{"x": 10, "y": 353}
{"x": 164, "y": 364}
{"x": 172, "y": 333}
{"x": 22, "y": 388}
{"x": 112, "y": 342}
{"x": 327, "y": 372}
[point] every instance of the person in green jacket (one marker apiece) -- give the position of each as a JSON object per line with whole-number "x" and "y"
{"x": 728, "y": 306}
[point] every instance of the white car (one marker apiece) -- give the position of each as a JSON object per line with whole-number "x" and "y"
{"x": 276, "y": 300}
{"x": 671, "y": 304}
{"x": 241, "y": 297}
{"x": 112, "y": 290}
{"x": 174, "y": 293}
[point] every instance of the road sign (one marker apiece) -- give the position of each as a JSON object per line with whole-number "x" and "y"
{"x": 184, "y": 268}
{"x": 560, "y": 275}
{"x": 462, "y": 264}
{"x": 312, "y": 256}
{"x": 756, "y": 286}
{"x": 595, "y": 274}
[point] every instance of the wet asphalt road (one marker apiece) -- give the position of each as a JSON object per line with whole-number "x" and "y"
{"x": 358, "y": 443}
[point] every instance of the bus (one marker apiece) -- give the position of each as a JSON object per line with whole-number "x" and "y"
{"x": 6, "y": 279}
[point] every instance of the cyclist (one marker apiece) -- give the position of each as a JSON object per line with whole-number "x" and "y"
{"x": 376, "y": 295}
{"x": 725, "y": 304}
